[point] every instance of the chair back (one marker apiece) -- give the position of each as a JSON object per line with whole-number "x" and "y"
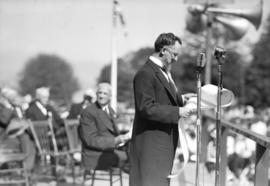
{"x": 15, "y": 173}
{"x": 44, "y": 136}
{"x": 74, "y": 141}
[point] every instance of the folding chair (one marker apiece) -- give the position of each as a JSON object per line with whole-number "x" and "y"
{"x": 13, "y": 170}
{"x": 46, "y": 143}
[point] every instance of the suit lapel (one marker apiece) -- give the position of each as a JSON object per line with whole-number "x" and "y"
{"x": 163, "y": 80}
{"x": 105, "y": 119}
{"x": 39, "y": 114}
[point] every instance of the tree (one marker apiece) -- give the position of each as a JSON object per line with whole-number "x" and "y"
{"x": 127, "y": 67}
{"x": 183, "y": 72}
{"x": 50, "y": 71}
{"x": 258, "y": 72}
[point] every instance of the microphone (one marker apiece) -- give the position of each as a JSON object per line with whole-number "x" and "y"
{"x": 200, "y": 62}
{"x": 219, "y": 52}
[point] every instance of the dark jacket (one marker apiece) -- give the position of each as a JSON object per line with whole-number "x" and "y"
{"x": 155, "y": 131}
{"x": 97, "y": 131}
{"x": 34, "y": 113}
{"x": 75, "y": 110}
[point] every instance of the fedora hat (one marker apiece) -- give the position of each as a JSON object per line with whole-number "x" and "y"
{"x": 209, "y": 93}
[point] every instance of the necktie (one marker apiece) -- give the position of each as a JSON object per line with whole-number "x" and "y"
{"x": 172, "y": 82}
{"x": 169, "y": 77}
{"x": 106, "y": 109}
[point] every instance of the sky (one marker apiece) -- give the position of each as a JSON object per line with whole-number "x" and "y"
{"x": 80, "y": 31}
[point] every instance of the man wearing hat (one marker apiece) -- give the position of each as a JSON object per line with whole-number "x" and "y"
{"x": 76, "y": 108}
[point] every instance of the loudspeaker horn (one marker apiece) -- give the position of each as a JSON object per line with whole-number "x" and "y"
{"x": 237, "y": 26}
{"x": 254, "y": 15}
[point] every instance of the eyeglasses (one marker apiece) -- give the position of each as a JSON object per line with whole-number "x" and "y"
{"x": 174, "y": 54}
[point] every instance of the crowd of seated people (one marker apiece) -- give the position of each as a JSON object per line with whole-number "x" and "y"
{"x": 15, "y": 110}
{"x": 15, "y": 135}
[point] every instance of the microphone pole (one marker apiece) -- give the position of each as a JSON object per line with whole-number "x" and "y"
{"x": 199, "y": 68}
{"x": 219, "y": 54}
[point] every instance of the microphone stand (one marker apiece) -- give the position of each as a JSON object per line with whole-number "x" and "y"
{"x": 218, "y": 122}
{"x": 198, "y": 123}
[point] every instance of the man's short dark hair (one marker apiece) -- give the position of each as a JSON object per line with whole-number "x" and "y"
{"x": 166, "y": 39}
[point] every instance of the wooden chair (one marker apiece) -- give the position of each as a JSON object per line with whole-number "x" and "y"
{"x": 46, "y": 143}
{"x": 112, "y": 175}
{"x": 16, "y": 172}
{"x": 74, "y": 141}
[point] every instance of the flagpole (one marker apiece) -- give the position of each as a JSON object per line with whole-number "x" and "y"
{"x": 114, "y": 57}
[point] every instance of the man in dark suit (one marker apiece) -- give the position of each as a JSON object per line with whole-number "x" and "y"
{"x": 158, "y": 107}
{"x": 76, "y": 108}
{"x": 40, "y": 109}
{"x": 99, "y": 134}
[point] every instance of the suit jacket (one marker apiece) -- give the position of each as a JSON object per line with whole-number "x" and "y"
{"x": 6, "y": 114}
{"x": 97, "y": 131}
{"x": 75, "y": 110}
{"x": 34, "y": 113}
{"x": 155, "y": 130}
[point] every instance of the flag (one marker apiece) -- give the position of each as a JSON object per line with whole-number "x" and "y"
{"x": 119, "y": 14}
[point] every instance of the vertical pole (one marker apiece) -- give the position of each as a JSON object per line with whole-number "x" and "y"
{"x": 208, "y": 48}
{"x": 114, "y": 57}
{"x": 261, "y": 165}
{"x": 218, "y": 125}
{"x": 198, "y": 127}
{"x": 223, "y": 156}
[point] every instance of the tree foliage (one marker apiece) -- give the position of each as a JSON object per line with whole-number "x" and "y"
{"x": 258, "y": 72}
{"x": 183, "y": 72}
{"x": 50, "y": 71}
{"x": 127, "y": 67}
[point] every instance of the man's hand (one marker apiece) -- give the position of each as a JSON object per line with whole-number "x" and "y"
{"x": 121, "y": 140}
{"x": 185, "y": 112}
{"x": 189, "y": 95}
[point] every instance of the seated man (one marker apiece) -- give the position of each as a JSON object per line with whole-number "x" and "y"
{"x": 13, "y": 135}
{"x": 40, "y": 109}
{"x": 99, "y": 134}
{"x": 76, "y": 108}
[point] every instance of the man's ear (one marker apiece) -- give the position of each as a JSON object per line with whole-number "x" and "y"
{"x": 161, "y": 53}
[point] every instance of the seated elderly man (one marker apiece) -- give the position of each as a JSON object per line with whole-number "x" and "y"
{"x": 13, "y": 134}
{"x": 40, "y": 109}
{"x": 99, "y": 134}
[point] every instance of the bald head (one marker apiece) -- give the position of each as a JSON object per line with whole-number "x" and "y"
{"x": 43, "y": 94}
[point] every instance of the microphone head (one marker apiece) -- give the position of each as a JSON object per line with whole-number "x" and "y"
{"x": 219, "y": 52}
{"x": 201, "y": 60}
